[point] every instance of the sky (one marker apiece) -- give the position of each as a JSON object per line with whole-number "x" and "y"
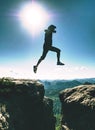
{"x": 21, "y": 46}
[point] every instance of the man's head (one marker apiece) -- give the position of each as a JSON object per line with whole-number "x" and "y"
{"x": 52, "y": 28}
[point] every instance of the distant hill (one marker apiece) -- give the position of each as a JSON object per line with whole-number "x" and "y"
{"x": 55, "y": 86}
{"x": 62, "y": 84}
{"x": 90, "y": 80}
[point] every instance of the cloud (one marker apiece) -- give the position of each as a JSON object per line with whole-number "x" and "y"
{"x": 47, "y": 71}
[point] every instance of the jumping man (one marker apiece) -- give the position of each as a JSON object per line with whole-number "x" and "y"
{"x": 48, "y": 47}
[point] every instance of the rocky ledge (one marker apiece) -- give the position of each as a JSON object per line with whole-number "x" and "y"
{"x": 78, "y": 108}
{"x": 24, "y": 107}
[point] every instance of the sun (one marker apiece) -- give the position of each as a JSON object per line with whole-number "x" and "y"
{"x": 33, "y": 17}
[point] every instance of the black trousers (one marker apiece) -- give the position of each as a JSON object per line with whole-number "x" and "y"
{"x": 49, "y": 48}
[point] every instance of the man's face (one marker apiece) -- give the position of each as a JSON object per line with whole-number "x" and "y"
{"x": 53, "y": 29}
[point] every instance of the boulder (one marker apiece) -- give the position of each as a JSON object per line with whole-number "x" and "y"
{"x": 24, "y": 107}
{"x": 78, "y": 108}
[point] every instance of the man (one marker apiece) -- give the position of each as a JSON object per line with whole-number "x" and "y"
{"x": 48, "y": 47}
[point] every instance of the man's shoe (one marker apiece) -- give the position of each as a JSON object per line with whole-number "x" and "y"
{"x": 60, "y": 63}
{"x": 35, "y": 69}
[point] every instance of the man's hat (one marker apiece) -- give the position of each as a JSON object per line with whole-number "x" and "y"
{"x": 51, "y": 27}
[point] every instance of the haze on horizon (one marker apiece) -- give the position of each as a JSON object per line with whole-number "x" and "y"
{"x": 20, "y": 49}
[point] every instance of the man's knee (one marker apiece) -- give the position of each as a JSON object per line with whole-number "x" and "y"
{"x": 58, "y": 50}
{"x": 42, "y": 57}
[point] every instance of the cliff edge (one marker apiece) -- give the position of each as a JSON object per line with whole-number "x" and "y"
{"x": 24, "y": 107}
{"x": 78, "y": 108}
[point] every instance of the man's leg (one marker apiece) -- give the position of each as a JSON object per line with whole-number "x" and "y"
{"x": 39, "y": 61}
{"x": 58, "y": 55}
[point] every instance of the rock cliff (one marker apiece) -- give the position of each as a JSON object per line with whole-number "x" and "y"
{"x": 24, "y": 107}
{"x": 78, "y": 108}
